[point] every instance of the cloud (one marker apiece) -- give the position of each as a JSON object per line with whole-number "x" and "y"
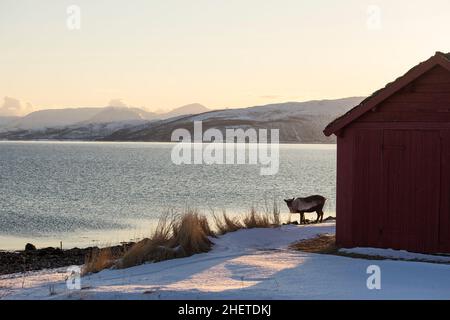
{"x": 14, "y": 107}
{"x": 117, "y": 103}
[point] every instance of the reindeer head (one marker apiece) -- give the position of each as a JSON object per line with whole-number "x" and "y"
{"x": 289, "y": 204}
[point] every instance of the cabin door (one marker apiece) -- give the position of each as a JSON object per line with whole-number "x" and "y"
{"x": 411, "y": 167}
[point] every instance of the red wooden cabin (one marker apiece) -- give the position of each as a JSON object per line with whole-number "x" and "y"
{"x": 393, "y": 164}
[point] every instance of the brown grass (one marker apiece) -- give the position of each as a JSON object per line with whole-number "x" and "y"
{"x": 324, "y": 243}
{"x": 257, "y": 220}
{"x": 163, "y": 231}
{"x": 137, "y": 254}
{"x": 273, "y": 213}
{"x": 204, "y": 224}
{"x": 98, "y": 260}
{"x": 149, "y": 249}
{"x": 191, "y": 234}
{"x": 177, "y": 236}
{"x": 276, "y": 220}
{"x": 174, "y": 237}
{"x": 224, "y": 224}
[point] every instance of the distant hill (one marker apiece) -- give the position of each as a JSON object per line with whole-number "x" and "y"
{"x": 194, "y": 108}
{"x": 57, "y": 118}
{"x": 53, "y": 118}
{"x": 5, "y": 120}
{"x": 298, "y": 122}
{"x": 120, "y": 114}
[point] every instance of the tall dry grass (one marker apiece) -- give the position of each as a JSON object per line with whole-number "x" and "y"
{"x": 174, "y": 237}
{"x": 177, "y": 236}
{"x": 276, "y": 218}
{"x": 266, "y": 219}
{"x": 273, "y": 212}
{"x": 149, "y": 249}
{"x": 191, "y": 233}
{"x": 98, "y": 260}
{"x": 256, "y": 220}
{"x": 225, "y": 224}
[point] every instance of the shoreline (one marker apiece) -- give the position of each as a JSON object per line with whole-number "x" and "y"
{"x": 20, "y": 261}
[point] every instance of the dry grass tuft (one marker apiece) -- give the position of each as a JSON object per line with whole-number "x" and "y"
{"x": 177, "y": 236}
{"x": 137, "y": 254}
{"x": 163, "y": 231}
{"x": 256, "y": 220}
{"x": 174, "y": 237}
{"x": 150, "y": 249}
{"x": 204, "y": 224}
{"x": 324, "y": 243}
{"x": 276, "y": 220}
{"x": 224, "y": 224}
{"x": 191, "y": 234}
{"x": 98, "y": 260}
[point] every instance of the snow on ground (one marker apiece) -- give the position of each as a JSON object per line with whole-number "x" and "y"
{"x": 248, "y": 264}
{"x": 397, "y": 254}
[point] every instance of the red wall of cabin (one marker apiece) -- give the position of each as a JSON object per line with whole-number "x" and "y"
{"x": 393, "y": 171}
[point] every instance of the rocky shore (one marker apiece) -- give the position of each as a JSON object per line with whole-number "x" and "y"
{"x": 47, "y": 258}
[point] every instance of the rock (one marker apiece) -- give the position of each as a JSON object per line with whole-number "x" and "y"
{"x": 76, "y": 252}
{"x": 180, "y": 252}
{"x": 50, "y": 251}
{"x": 164, "y": 253}
{"x": 37, "y": 259}
{"x": 30, "y": 247}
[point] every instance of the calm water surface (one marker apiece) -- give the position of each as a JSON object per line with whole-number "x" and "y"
{"x": 102, "y": 193}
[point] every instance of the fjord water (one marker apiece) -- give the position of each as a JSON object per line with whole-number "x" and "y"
{"x": 94, "y": 193}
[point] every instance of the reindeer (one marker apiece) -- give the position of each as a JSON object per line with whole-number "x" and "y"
{"x": 308, "y": 204}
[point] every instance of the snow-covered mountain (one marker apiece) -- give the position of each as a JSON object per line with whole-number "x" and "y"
{"x": 120, "y": 114}
{"x": 5, "y": 120}
{"x": 298, "y": 122}
{"x": 57, "y": 118}
{"x": 194, "y": 108}
{"x": 52, "y": 118}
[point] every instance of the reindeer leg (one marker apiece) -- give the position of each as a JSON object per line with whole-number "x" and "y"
{"x": 319, "y": 216}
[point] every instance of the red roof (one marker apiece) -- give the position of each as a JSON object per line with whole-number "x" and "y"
{"x": 442, "y": 59}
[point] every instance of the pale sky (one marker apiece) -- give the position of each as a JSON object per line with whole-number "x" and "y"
{"x": 162, "y": 54}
